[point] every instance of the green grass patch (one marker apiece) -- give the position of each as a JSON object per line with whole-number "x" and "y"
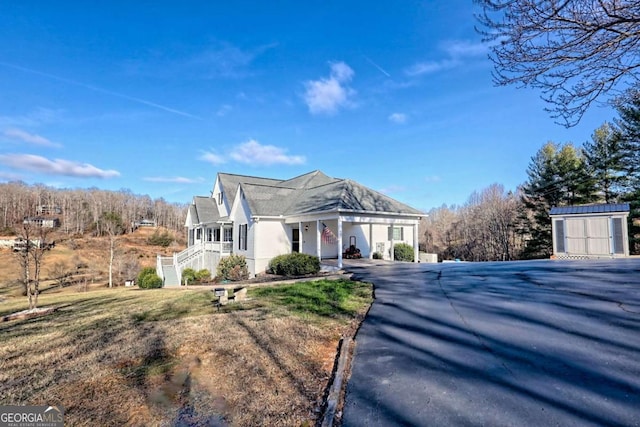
{"x": 325, "y": 298}
{"x": 185, "y": 304}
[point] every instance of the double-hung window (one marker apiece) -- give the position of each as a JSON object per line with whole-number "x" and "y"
{"x": 395, "y": 233}
{"x": 242, "y": 241}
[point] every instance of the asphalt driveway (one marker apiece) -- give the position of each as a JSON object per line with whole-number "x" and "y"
{"x": 539, "y": 343}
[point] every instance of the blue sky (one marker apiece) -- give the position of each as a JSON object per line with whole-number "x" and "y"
{"x": 157, "y": 97}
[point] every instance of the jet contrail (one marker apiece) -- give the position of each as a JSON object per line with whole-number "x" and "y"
{"x": 98, "y": 89}
{"x": 377, "y": 66}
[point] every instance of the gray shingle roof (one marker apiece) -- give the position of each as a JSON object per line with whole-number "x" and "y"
{"x": 230, "y": 182}
{"x": 194, "y": 214}
{"x": 316, "y": 192}
{"x": 587, "y": 209}
{"x": 304, "y": 194}
{"x": 204, "y": 209}
{"x": 308, "y": 180}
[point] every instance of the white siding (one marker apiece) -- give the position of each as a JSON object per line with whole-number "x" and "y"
{"x": 273, "y": 238}
{"x": 381, "y": 238}
{"x": 241, "y": 215}
{"x": 223, "y": 209}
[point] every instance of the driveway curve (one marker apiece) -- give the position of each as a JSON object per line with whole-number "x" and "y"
{"x": 537, "y": 343}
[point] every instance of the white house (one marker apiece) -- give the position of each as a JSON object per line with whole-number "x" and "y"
{"x": 261, "y": 218}
{"x": 590, "y": 231}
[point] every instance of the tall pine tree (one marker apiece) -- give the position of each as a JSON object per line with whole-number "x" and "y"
{"x": 605, "y": 157}
{"x": 629, "y": 124}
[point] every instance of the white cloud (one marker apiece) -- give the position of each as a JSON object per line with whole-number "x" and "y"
{"x": 433, "y": 179}
{"x": 252, "y": 152}
{"x": 175, "y": 180}
{"x": 465, "y": 48}
{"x": 213, "y": 158}
{"x": 398, "y": 118}
{"x": 63, "y": 167}
{"x": 223, "y": 110}
{"x": 30, "y": 138}
{"x": 328, "y": 95}
{"x": 8, "y": 176}
{"x": 456, "y": 52}
{"x": 37, "y": 117}
{"x": 430, "y": 67}
{"x": 219, "y": 59}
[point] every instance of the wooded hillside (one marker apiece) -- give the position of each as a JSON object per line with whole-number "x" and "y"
{"x": 79, "y": 210}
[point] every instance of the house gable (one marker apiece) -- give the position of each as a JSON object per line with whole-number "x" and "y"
{"x": 227, "y": 184}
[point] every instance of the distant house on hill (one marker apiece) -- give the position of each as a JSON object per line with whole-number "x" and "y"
{"x": 48, "y": 210}
{"x": 590, "y": 231}
{"x": 144, "y": 222}
{"x": 261, "y": 218}
{"x": 45, "y": 222}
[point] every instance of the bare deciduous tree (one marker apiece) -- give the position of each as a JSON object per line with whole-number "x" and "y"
{"x": 575, "y": 51}
{"x": 30, "y": 254}
{"x": 110, "y": 223}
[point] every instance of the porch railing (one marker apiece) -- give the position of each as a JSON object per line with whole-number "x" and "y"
{"x": 180, "y": 259}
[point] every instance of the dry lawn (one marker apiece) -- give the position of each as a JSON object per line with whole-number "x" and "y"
{"x": 168, "y": 357}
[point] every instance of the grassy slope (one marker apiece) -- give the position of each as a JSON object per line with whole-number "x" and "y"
{"x": 134, "y": 357}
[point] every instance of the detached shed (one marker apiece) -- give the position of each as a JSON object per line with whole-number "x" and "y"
{"x": 590, "y": 231}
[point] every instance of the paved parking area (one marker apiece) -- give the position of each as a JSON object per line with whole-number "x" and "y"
{"x": 539, "y": 343}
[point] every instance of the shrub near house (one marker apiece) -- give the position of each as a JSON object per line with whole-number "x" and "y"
{"x": 148, "y": 279}
{"x": 233, "y": 267}
{"x": 193, "y": 277}
{"x": 403, "y": 252}
{"x": 294, "y": 264}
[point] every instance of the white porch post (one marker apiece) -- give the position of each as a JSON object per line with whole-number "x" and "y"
{"x": 416, "y": 252}
{"x": 392, "y": 242}
{"x": 339, "y": 242}
{"x": 300, "y": 237}
{"x": 370, "y": 241}
{"x": 318, "y": 240}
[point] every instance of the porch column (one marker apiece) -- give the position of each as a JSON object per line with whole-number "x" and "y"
{"x": 339, "y": 242}
{"x": 300, "y": 237}
{"x": 221, "y": 243}
{"x": 416, "y": 252}
{"x": 318, "y": 240}
{"x": 392, "y": 242}
{"x": 370, "y": 241}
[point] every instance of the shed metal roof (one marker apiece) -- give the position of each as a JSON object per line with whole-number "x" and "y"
{"x": 590, "y": 209}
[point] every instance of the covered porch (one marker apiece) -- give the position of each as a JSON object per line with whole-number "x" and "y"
{"x": 329, "y": 236}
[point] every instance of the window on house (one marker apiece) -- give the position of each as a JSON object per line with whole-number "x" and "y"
{"x": 216, "y": 234}
{"x": 198, "y": 234}
{"x": 228, "y": 234}
{"x": 220, "y": 198}
{"x": 395, "y": 233}
{"x": 209, "y": 234}
{"x": 242, "y": 241}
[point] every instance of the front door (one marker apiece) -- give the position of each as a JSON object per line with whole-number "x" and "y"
{"x": 295, "y": 240}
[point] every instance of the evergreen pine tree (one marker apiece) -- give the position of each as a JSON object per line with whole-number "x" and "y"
{"x": 629, "y": 123}
{"x": 605, "y": 156}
